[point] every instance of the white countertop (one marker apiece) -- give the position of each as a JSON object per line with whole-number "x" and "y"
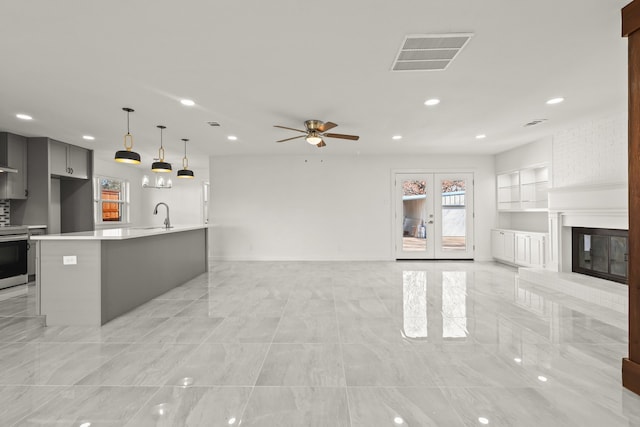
{"x": 120, "y": 233}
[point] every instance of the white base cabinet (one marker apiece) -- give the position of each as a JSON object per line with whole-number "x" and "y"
{"x": 522, "y": 248}
{"x": 502, "y": 245}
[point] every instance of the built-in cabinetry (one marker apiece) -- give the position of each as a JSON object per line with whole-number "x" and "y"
{"x": 523, "y": 248}
{"x": 59, "y": 199}
{"x": 68, "y": 160}
{"x": 523, "y": 189}
{"x": 13, "y": 153}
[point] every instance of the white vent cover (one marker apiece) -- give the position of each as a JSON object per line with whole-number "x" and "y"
{"x": 429, "y": 52}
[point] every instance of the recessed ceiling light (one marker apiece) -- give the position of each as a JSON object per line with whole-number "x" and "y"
{"x": 232, "y": 138}
{"x": 187, "y": 102}
{"x": 555, "y": 101}
{"x": 88, "y": 137}
{"x": 398, "y": 420}
{"x": 431, "y": 102}
{"x": 542, "y": 378}
{"x": 24, "y": 117}
{"x": 517, "y": 360}
{"x": 483, "y": 420}
{"x": 396, "y": 137}
{"x": 481, "y": 136}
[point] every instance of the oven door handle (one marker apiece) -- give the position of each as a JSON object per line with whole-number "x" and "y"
{"x": 14, "y": 238}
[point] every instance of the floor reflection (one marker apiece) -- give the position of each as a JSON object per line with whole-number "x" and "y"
{"x": 414, "y": 303}
{"x": 449, "y": 288}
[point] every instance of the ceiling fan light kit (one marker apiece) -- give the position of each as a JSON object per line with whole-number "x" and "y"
{"x": 315, "y": 131}
{"x": 128, "y": 155}
{"x": 314, "y": 138}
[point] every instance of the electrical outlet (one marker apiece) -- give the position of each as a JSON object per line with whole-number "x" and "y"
{"x": 69, "y": 260}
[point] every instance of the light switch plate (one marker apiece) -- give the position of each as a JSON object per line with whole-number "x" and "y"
{"x": 69, "y": 259}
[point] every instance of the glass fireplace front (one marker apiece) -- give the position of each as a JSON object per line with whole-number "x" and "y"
{"x": 600, "y": 252}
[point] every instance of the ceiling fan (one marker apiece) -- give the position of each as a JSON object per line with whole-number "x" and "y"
{"x": 315, "y": 131}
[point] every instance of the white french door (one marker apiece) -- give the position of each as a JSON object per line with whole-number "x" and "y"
{"x": 434, "y": 216}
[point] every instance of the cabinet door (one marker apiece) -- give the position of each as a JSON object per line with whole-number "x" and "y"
{"x": 497, "y": 244}
{"x": 58, "y": 158}
{"x": 522, "y": 250}
{"x": 78, "y": 159}
{"x": 16, "y": 158}
{"x": 502, "y": 245}
{"x": 509, "y": 249}
{"x": 537, "y": 244}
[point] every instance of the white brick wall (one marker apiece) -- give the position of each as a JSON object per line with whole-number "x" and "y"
{"x": 593, "y": 153}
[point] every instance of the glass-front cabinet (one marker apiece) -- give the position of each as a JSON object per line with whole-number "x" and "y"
{"x": 525, "y": 189}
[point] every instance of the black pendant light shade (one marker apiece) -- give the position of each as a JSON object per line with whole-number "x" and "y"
{"x": 128, "y": 155}
{"x": 161, "y": 165}
{"x": 185, "y": 172}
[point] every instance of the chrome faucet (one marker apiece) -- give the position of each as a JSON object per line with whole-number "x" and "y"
{"x": 167, "y": 222}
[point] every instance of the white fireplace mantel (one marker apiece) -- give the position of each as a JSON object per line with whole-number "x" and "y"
{"x": 593, "y": 206}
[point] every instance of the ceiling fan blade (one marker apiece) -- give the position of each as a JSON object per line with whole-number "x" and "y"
{"x": 284, "y": 127}
{"x": 342, "y": 136}
{"x": 326, "y": 126}
{"x": 321, "y": 144}
{"x": 289, "y": 139}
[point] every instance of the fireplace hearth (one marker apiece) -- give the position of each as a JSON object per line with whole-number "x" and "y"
{"x": 600, "y": 252}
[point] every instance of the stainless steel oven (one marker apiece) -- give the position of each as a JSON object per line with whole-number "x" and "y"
{"x": 13, "y": 256}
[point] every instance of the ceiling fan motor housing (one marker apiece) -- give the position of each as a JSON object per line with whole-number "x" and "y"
{"x": 313, "y": 125}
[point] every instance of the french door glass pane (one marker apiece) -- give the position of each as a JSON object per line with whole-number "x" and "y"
{"x": 454, "y": 215}
{"x": 414, "y": 200}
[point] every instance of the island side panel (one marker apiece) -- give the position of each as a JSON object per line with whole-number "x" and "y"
{"x": 135, "y": 271}
{"x": 70, "y": 293}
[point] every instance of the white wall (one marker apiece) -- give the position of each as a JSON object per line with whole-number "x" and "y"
{"x": 324, "y": 208}
{"x": 531, "y": 154}
{"x": 594, "y": 152}
{"x": 184, "y": 199}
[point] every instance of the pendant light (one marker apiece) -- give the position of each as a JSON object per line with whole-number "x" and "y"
{"x": 126, "y": 155}
{"x": 185, "y": 172}
{"x": 161, "y": 165}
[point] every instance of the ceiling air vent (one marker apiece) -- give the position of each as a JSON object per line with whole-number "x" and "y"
{"x": 213, "y": 124}
{"x": 429, "y": 52}
{"x": 534, "y": 122}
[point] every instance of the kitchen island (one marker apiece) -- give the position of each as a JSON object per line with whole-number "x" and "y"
{"x": 89, "y": 278}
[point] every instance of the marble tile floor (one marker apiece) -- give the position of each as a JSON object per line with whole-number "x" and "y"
{"x": 358, "y": 344}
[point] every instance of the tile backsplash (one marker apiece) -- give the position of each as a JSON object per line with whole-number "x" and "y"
{"x": 5, "y": 215}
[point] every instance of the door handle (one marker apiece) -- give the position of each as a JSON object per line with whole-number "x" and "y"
{"x": 430, "y": 222}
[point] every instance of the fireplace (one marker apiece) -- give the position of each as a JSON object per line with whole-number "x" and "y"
{"x": 600, "y": 252}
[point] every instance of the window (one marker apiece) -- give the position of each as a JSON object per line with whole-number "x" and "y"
{"x": 112, "y": 200}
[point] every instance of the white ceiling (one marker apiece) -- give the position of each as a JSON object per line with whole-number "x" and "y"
{"x": 248, "y": 65}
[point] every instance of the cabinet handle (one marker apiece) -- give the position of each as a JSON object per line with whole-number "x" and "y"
{"x": 71, "y": 171}
{"x": 26, "y": 193}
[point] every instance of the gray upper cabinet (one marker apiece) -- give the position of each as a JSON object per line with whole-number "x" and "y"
{"x": 13, "y": 153}
{"x": 68, "y": 160}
